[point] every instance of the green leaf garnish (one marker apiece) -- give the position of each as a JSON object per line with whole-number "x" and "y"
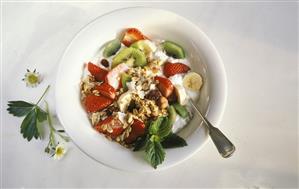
{"x": 173, "y": 141}
{"x": 29, "y": 126}
{"x": 19, "y": 108}
{"x": 33, "y": 115}
{"x": 165, "y": 128}
{"x": 155, "y": 153}
{"x": 140, "y": 142}
{"x": 155, "y": 126}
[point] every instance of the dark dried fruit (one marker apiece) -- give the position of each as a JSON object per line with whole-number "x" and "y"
{"x": 132, "y": 106}
{"x": 109, "y": 111}
{"x": 172, "y": 98}
{"x": 153, "y": 95}
{"x": 105, "y": 62}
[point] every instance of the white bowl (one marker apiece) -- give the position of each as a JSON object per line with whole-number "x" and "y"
{"x": 154, "y": 23}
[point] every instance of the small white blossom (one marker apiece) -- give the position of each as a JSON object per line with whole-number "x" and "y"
{"x": 32, "y": 79}
{"x": 60, "y": 151}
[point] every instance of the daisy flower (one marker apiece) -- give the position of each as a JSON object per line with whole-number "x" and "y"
{"x": 60, "y": 151}
{"x": 32, "y": 79}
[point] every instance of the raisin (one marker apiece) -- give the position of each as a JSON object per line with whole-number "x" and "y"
{"x": 132, "y": 106}
{"x": 153, "y": 95}
{"x": 105, "y": 62}
{"x": 172, "y": 98}
{"x": 109, "y": 111}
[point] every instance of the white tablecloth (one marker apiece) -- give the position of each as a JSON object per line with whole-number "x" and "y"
{"x": 258, "y": 44}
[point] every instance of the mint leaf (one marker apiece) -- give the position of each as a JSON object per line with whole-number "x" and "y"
{"x": 173, "y": 141}
{"x": 165, "y": 128}
{"x": 155, "y": 126}
{"x": 140, "y": 142}
{"x": 155, "y": 153}
{"x": 29, "y": 125}
{"x": 19, "y": 108}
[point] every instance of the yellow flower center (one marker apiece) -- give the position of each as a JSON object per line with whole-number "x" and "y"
{"x": 59, "y": 151}
{"x": 32, "y": 79}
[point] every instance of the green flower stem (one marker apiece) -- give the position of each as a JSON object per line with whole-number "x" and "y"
{"x": 43, "y": 95}
{"x": 52, "y": 129}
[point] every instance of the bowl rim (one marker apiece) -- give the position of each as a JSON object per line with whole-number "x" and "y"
{"x": 222, "y": 102}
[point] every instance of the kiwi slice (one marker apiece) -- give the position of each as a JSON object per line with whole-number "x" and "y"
{"x": 111, "y": 48}
{"x": 126, "y": 54}
{"x": 173, "y": 49}
{"x": 171, "y": 114}
{"x": 124, "y": 79}
{"x": 142, "y": 45}
{"x": 181, "y": 110}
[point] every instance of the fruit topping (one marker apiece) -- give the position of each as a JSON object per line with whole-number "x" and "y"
{"x": 124, "y": 101}
{"x": 106, "y": 90}
{"x": 153, "y": 95}
{"x": 98, "y": 73}
{"x": 181, "y": 110}
{"x": 124, "y": 79}
{"x": 171, "y": 69}
{"x": 132, "y": 35}
{"x": 111, "y": 48}
{"x": 145, "y": 46}
{"x": 181, "y": 94}
{"x": 192, "y": 81}
{"x": 138, "y": 129}
{"x": 110, "y": 126}
{"x": 171, "y": 114}
{"x": 165, "y": 86}
{"x": 174, "y": 50}
{"x": 95, "y": 103}
{"x": 105, "y": 62}
{"x": 134, "y": 57}
{"x": 113, "y": 75}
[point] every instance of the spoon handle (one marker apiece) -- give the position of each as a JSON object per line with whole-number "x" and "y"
{"x": 224, "y": 146}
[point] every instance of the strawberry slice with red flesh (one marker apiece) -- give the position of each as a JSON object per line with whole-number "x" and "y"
{"x": 95, "y": 103}
{"x": 132, "y": 35}
{"x": 171, "y": 69}
{"x": 165, "y": 86}
{"x": 106, "y": 90}
{"x": 113, "y": 76}
{"x": 138, "y": 129}
{"x": 110, "y": 122}
{"x": 98, "y": 73}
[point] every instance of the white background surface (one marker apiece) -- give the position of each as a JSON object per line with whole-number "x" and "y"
{"x": 258, "y": 44}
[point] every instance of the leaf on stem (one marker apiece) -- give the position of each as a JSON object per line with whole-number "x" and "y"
{"x": 19, "y": 108}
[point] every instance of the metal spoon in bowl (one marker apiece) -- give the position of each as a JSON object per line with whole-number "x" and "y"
{"x": 224, "y": 146}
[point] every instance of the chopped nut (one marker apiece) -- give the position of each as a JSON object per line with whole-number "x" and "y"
{"x": 163, "y": 102}
{"x": 130, "y": 118}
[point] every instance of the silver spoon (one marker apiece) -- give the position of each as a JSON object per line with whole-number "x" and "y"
{"x": 224, "y": 146}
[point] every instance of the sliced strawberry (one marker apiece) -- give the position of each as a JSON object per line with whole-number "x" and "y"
{"x": 112, "y": 122}
{"x": 113, "y": 76}
{"x": 106, "y": 90}
{"x": 171, "y": 69}
{"x": 165, "y": 86}
{"x": 132, "y": 35}
{"x": 98, "y": 73}
{"x": 95, "y": 103}
{"x": 138, "y": 129}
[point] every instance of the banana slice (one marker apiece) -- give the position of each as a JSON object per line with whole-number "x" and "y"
{"x": 192, "y": 81}
{"x": 124, "y": 101}
{"x": 181, "y": 94}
